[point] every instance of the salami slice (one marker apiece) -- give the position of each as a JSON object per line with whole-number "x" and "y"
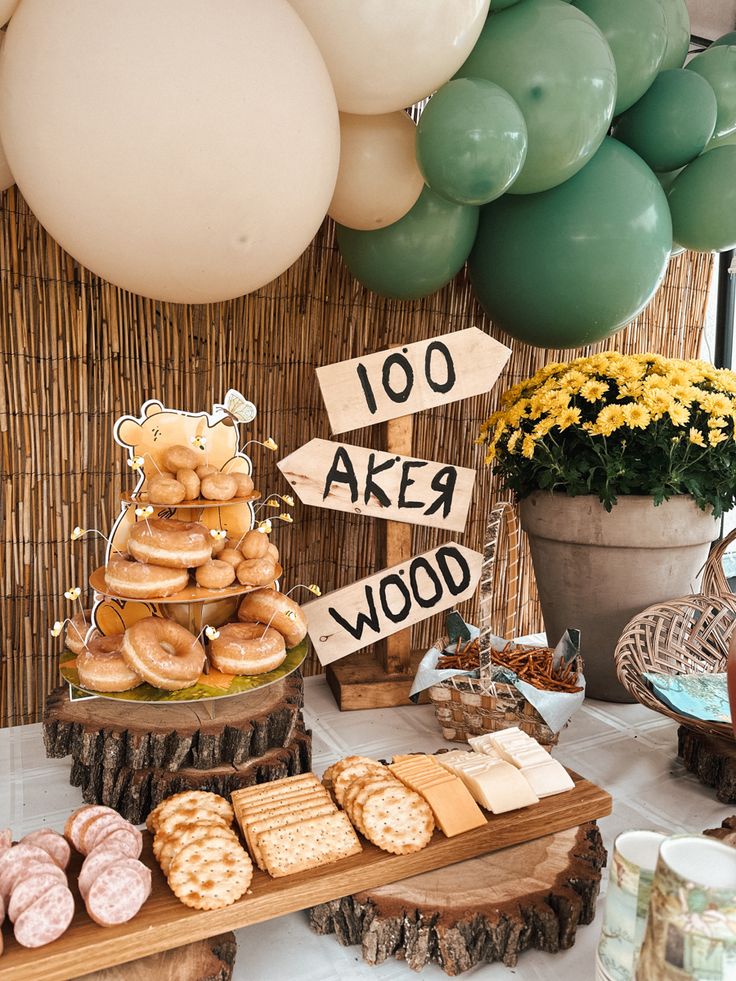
{"x": 95, "y": 863}
{"x": 52, "y": 842}
{"x": 77, "y": 820}
{"x": 6, "y": 839}
{"x": 45, "y": 919}
{"x": 28, "y": 890}
{"x": 98, "y": 828}
{"x": 116, "y": 895}
{"x": 13, "y": 861}
{"x": 128, "y": 840}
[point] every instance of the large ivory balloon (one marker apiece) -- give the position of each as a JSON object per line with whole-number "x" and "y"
{"x": 184, "y": 150}
{"x": 378, "y": 180}
{"x": 384, "y": 55}
{"x": 415, "y": 256}
{"x": 670, "y": 125}
{"x": 570, "y": 266}
{"x": 636, "y": 31}
{"x": 718, "y": 66}
{"x": 677, "y": 19}
{"x": 556, "y": 64}
{"x": 702, "y": 200}
{"x": 471, "y": 141}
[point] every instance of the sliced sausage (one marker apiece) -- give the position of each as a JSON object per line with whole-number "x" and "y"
{"x": 52, "y": 842}
{"x": 46, "y": 919}
{"x": 116, "y": 895}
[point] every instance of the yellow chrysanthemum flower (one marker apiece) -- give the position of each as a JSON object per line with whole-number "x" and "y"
{"x": 716, "y": 436}
{"x": 696, "y": 437}
{"x": 679, "y": 414}
{"x": 528, "y": 447}
{"x": 609, "y": 420}
{"x": 658, "y": 402}
{"x": 636, "y": 416}
{"x": 717, "y": 422}
{"x": 513, "y": 441}
{"x": 567, "y": 418}
{"x": 716, "y": 404}
{"x": 593, "y": 390}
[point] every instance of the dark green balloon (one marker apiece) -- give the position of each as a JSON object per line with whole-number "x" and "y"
{"x": 570, "y": 266}
{"x": 703, "y": 202}
{"x": 471, "y": 141}
{"x": 718, "y": 66}
{"x": 677, "y": 19}
{"x": 558, "y": 67}
{"x": 671, "y": 124}
{"x": 415, "y": 256}
{"x": 497, "y": 5}
{"x": 729, "y": 38}
{"x": 637, "y": 33}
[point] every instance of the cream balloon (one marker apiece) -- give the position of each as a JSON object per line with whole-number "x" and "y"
{"x": 385, "y": 55}
{"x": 379, "y": 180}
{"x": 6, "y": 178}
{"x": 7, "y": 9}
{"x": 184, "y": 150}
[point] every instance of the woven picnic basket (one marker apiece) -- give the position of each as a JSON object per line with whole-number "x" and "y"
{"x": 467, "y": 706}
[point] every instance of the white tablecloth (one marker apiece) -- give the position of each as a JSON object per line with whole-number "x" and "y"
{"x": 626, "y": 749}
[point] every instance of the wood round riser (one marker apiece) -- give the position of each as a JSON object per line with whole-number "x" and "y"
{"x": 172, "y": 737}
{"x": 712, "y": 759}
{"x": 205, "y": 960}
{"x": 134, "y": 793}
{"x": 531, "y": 896}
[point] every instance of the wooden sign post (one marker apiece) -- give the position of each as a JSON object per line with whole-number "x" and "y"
{"x": 390, "y": 387}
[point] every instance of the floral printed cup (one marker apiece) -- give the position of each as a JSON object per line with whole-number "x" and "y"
{"x": 691, "y": 929}
{"x": 632, "y": 869}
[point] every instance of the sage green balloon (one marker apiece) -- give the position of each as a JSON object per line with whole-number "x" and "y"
{"x": 703, "y": 202}
{"x": 558, "y": 67}
{"x": 677, "y": 19}
{"x": 497, "y": 5}
{"x": 471, "y": 141}
{"x": 637, "y": 33}
{"x": 718, "y": 66}
{"x": 568, "y": 267}
{"x": 729, "y": 38}
{"x": 415, "y": 256}
{"x": 671, "y": 124}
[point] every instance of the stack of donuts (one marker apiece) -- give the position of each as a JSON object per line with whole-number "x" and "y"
{"x": 167, "y": 656}
{"x": 186, "y": 479}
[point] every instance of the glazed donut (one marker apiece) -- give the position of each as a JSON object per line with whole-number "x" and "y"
{"x": 230, "y": 555}
{"x": 101, "y": 667}
{"x": 171, "y": 543}
{"x": 246, "y": 648}
{"x": 273, "y": 552}
{"x": 190, "y": 481}
{"x": 244, "y": 482}
{"x": 205, "y": 470}
{"x": 254, "y": 545}
{"x": 215, "y": 574}
{"x": 219, "y": 487}
{"x": 263, "y": 604}
{"x": 256, "y": 572}
{"x": 163, "y": 653}
{"x": 163, "y": 489}
{"x": 139, "y": 580}
{"x": 181, "y": 458}
{"x": 77, "y": 628}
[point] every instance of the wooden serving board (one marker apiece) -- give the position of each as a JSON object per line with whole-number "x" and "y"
{"x": 197, "y": 504}
{"x": 164, "y": 922}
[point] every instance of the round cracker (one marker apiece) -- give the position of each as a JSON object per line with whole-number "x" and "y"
{"x": 186, "y": 835}
{"x": 169, "y": 823}
{"x": 190, "y": 798}
{"x": 210, "y": 874}
{"x": 360, "y": 798}
{"x": 350, "y": 772}
{"x": 397, "y": 820}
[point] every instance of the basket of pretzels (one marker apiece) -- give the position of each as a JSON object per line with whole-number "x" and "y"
{"x": 501, "y": 683}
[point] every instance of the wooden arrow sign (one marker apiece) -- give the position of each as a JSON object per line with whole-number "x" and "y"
{"x": 380, "y": 605}
{"x": 364, "y": 481}
{"x": 408, "y": 379}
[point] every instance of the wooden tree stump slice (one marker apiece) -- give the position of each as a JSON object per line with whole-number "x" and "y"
{"x": 487, "y": 909}
{"x": 134, "y": 793}
{"x": 726, "y": 832}
{"x": 172, "y": 737}
{"x": 205, "y": 960}
{"x": 712, "y": 759}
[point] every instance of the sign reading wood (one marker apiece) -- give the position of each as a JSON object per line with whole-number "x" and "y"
{"x": 380, "y": 605}
{"x": 364, "y": 481}
{"x": 408, "y": 379}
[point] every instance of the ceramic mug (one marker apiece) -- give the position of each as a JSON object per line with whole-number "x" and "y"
{"x": 691, "y": 929}
{"x": 627, "y": 899}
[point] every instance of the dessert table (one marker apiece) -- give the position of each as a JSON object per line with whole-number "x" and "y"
{"x": 626, "y": 749}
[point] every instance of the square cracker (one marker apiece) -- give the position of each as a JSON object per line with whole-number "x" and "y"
{"x": 309, "y": 844}
{"x": 253, "y": 832}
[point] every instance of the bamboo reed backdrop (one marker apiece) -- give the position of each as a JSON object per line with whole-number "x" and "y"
{"x": 77, "y": 352}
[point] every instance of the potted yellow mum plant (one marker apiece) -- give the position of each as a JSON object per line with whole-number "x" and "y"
{"x": 623, "y": 465}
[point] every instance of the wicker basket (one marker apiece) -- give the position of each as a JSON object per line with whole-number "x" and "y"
{"x": 714, "y": 578}
{"x": 470, "y": 706}
{"x": 682, "y": 636}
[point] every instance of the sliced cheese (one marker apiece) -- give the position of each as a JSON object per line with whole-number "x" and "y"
{"x": 548, "y": 778}
{"x": 500, "y": 788}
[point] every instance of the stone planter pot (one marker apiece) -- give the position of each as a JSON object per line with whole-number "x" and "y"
{"x": 596, "y": 570}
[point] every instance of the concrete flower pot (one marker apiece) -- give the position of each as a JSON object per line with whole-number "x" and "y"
{"x": 596, "y": 570}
